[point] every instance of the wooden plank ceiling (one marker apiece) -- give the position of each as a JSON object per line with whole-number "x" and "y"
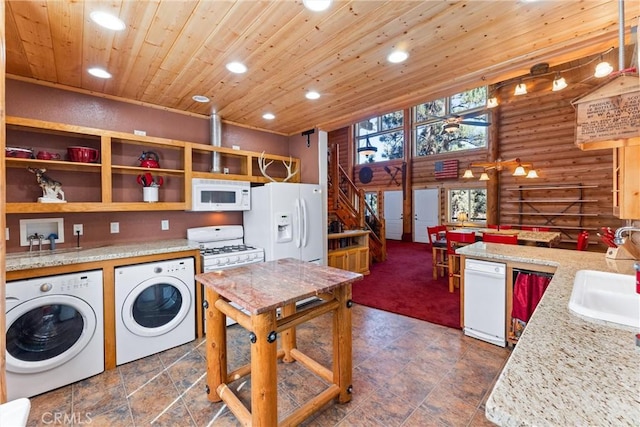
{"x": 172, "y": 50}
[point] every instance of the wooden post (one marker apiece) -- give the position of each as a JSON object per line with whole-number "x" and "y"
{"x": 216, "y": 331}
{"x": 289, "y": 335}
{"x": 264, "y": 386}
{"x": 342, "y": 353}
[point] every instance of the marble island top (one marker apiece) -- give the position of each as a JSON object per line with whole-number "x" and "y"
{"x": 261, "y": 287}
{"x": 565, "y": 370}
{"x": 45, "y": 258}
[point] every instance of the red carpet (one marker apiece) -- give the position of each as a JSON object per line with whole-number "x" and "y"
{"x": 404, "y": 284}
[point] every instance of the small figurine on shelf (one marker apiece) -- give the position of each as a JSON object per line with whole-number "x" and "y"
{"x": 51, "y": 189}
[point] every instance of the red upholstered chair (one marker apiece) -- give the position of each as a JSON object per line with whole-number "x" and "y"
{"x": 509, "y": 239}
{"x": 583, "y": 240}
{"x": 438, "y": 249}
{"x": 534, "y": 228}
{"x": 455, "y": 240}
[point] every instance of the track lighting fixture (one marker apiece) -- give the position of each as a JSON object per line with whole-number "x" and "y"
{"x": 603, "y": 69}
{"x": 559, "y": 83}
{"x": 521, "y": 89}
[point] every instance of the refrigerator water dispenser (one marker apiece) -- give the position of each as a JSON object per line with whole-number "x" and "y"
{"x": 285, "y": 229}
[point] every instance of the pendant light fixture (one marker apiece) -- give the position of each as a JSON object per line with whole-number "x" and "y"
{"x": 367, "y": 149}
{"x": 492, "y": 102}
{"x": 532, "y": 174}
{"x": 519, "y": 171}
{"x": 468, "y": 174}
{"x": 484, "y": 176}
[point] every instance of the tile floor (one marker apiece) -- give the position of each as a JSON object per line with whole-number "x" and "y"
{"x": 406, "y": 372}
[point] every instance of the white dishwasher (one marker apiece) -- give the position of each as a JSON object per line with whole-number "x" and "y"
{"x": 485, "y": 301}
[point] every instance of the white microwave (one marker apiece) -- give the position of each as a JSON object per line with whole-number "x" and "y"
{"x": 220, "y": 195}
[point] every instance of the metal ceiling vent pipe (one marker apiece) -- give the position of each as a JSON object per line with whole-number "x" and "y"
{"x": 216, "y": 141}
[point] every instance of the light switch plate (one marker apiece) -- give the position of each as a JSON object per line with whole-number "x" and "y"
{"x": 164, "y": 224}
{"x": 115, "y": 227}
{"x": 6, "y": 233}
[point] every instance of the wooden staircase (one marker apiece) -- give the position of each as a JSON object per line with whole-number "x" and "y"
{"x": 348, "y": 204}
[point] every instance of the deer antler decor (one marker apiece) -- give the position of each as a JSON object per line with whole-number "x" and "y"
{"x": 263, "y": 168}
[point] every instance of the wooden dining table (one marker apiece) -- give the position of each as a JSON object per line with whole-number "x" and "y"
{"x": 525, "y": 237}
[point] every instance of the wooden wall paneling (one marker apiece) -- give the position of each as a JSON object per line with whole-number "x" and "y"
{"x": 539, "y": 128}
{"x": 3, "y": 249}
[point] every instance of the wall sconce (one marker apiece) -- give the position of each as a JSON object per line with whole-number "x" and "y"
{"x": 367, "y": 149}
{"x": 532, "y": 174}
{"x": 521, "y": 89}
{"x": 468, "y": 173}
{"x": 559, "y": 83}
{"x": 500, "y": 165}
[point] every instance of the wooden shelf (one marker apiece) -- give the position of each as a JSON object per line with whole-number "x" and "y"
{"x": 349, "y": 250}
{"x": 183, "y": 160}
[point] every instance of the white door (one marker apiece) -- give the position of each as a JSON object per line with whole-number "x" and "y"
{"x": 425, "y": 212}
{"x": 393, "y": 214}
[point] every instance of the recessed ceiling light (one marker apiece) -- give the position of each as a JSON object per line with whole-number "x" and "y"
{"x": 236, "y": 67}
{"x": 317, "y": 5}
{"x": 200, "y": 98}
{"x": 397, "y": 56}
{"x": 107, "y": 20}
{"x": 312, "y": 94}
{"x": 268, "y": 116}
{"x": 99, "y": 72}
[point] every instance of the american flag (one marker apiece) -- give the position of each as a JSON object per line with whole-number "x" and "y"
{"x": 446, "y": 169}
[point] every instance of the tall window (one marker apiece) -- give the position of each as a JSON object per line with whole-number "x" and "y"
{"x": 386, "y": 133}
{"x": 430, "y": 118}
{"x": 472, "y": 201}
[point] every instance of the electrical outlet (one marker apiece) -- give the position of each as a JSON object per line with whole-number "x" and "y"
{"x": 225, "y": 170}
{"x": 140, "y": 132}
{"x": 115, "y": 227}
{"x": 164, "y": 224}
{"x": 78, "y": 229}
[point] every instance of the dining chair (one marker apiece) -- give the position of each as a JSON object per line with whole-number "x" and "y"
{"x": 492, "y": 226}
{"x": 509, "y": 239}
{"x": 438, "y": 249}
{"x": 456, "y": 239}
{"x": 583, "y": 240}
{"x": 526, "y": 228}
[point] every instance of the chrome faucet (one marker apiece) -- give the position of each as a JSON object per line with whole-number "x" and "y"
{"x": 618, "y": 240}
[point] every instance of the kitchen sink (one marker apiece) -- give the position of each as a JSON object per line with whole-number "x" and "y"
{"x": 608, "y": 297}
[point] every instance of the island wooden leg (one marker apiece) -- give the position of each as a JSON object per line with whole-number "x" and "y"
{"x": 216, "y": 341}
{"x": 342, "y": 362}
{"x": 288, "y": 336}
{"x": 264, "y": 391}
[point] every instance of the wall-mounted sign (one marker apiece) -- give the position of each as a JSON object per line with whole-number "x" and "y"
{"x": 609, "y": 116}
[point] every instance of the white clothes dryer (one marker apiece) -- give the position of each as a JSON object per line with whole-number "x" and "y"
{"x": 55, "y": 332}
{"x": 155, "y": 307}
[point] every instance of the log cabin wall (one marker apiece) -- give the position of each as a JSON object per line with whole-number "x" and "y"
{"x": 539, "y": 127}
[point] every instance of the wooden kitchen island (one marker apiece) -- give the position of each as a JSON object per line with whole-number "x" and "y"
{"x": 262, "y": 289}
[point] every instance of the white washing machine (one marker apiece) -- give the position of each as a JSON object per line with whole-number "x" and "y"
{"x": 155, "y": 307}
{"x": 55, "y": 332}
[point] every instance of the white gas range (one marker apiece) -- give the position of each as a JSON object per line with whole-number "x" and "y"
{"x": 222, "y": 247}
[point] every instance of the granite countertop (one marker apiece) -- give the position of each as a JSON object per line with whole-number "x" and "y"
{"x": 265, "y": 286}
{"x": 565, "y": 370}
{"x": 39, "y": 259}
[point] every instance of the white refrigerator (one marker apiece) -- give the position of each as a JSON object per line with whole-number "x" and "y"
{"x": 287, "y": 221}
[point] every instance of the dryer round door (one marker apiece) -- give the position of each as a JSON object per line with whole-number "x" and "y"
{"x": 156, "y": 306}
{"x": 46, "y": 332}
